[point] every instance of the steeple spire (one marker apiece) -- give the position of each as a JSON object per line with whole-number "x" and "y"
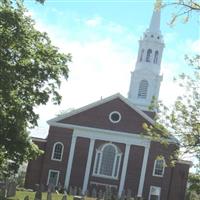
{"x": 155, "y": 21}
{"x": 146, "y": 79}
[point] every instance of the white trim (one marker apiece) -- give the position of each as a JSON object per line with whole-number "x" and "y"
{"x": 103, "y": 184}
{"x": 186, "y": 162}
{"x": 124, "y": 170}
{"x": 143, "y": 171}
{"x": 155, "y": 187}
{"x": 100, "y": 150}
{"x": 110, "y": 132}
{"x": 52, "y": 155}
{"x": 38, "y": 139}
{"x": 115, "y": 112}
{"x": 88, "y": 166}
{"x": 52, "y": 170}
{"x": 104, "y": 134}
{"x": 154, "y": 168}
{"x": 100, "y": 102}
{"x": 70, "y": 160}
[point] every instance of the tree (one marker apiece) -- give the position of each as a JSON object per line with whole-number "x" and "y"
{"x": 31, "y": 69}
{"x": 184, "y": 8}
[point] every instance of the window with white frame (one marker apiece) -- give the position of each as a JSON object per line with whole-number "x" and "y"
{"x": 57, "y": 151}
{"x": 159, "y": 167}
{"x": 143, "y": 89}
{"x": 154, "y": 193}
{"x": 107, "y": 161}
{"x": 148, "y": 57}
{"x": 53, "y": 177}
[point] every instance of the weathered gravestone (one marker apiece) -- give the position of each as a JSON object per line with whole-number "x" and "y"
{"x": 38, "y": 194}
{"x": 78, "y": 198}
{"x": 11, "y": 189}
{"x": 26, "y": 197}
{"x": 65, "y": 195}
{"x": 49, "y": 191}
{"x": 94, "y": 193}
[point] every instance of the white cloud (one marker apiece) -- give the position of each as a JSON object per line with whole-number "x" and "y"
{"x": 93, "y": 22}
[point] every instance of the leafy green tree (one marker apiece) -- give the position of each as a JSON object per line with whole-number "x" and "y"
{"x": 184, "y": 8}
{"x": 30, "y": 72}
{"x": 194, "y": 182}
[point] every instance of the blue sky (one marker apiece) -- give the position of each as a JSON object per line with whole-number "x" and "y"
{"x": 102, "y": 37}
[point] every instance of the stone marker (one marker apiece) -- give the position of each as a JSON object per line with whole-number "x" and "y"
{"x": 26, "y": 197}
{"x": 65, "y": 195}
{"x": 11, "y": 189}
{"x": 78, "y": 198}
{"x": 38, "y": 194}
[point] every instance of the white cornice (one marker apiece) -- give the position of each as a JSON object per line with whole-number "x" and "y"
{"x": 104, "y": 134}
{"x": 89, "y": 132}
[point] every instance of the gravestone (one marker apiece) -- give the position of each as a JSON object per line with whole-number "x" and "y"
{"x": 108, "y": 193}
{"x": 123, "y": 196}
{"x": 100, "y": 195}
{"x": 26, "y": 197}
{"x": 94, "y": 193}
{"x": 78, "y": 198}
{"x": 38, "y": 194}
{"x": 65, "y": 195}
{"x": 70, "y": 190}
{"x": 11, "y": 189}
{"x": 128, "y": 195}
{"x": 75, "y": 191}
{"x": 49, "y": 191}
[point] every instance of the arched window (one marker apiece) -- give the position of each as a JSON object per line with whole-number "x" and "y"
{"x": 155, "y": 60}
{"x": 143, "y": 89}
{"x": 107, "y": 161}
{"x": 148, "y": 57}
{"x": 57, "y": 151}
{"x": 141, "y": 55}
{"x": 159, "y": 167}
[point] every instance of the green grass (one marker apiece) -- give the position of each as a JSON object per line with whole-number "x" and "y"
{"x": 21, "y": 194}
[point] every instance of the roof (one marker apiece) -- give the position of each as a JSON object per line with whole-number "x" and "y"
{"x": 100, "y": 102}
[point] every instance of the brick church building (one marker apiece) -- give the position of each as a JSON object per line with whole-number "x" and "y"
{"x": 100, "y": 145}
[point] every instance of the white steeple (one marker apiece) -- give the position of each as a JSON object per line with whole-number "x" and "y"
{"x": 145, "y": 80}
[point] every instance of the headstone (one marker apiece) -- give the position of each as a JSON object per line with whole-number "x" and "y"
{"x": 11, "y": 189}
{"x": 78, "y": 198}
{"x": 80, "y": 191}
{"x": 65, "y": 195}
{"x": 123, "y": 196}
{"x": 26, "y": 197}
{"x": 75, "y": 191}
{"x": 128, "y": 195}
{"x": 108, "y": 193}
{"x": 38, "y": 194}
{"x": 100, "y": 195}
{"x": 70, "y": 190}
{"x": 94, "y": 193}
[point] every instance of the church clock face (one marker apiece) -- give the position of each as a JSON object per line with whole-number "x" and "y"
{"x": 115, "y": 117}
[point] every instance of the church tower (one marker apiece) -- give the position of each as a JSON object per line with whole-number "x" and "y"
{"x": 146, "y": 79}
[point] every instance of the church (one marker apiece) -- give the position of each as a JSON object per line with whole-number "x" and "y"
{"x": 100, "y": 145}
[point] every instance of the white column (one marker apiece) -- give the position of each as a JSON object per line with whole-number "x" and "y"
{"x": 70, "y": 160}
{"x": 143, "y": 171}
{"x": 88, "y": 166}
{"x": 124, "y": 169}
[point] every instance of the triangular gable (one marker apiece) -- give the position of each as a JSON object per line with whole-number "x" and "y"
{"x": 96, "y": 115}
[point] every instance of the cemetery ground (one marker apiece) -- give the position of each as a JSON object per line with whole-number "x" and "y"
{"x": 20, "y": 195}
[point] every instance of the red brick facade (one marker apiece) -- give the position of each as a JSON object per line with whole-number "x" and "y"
{"x": 97, "y": 118}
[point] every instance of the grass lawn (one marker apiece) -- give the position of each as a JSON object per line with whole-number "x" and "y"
{"x": 21, "y": 194}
